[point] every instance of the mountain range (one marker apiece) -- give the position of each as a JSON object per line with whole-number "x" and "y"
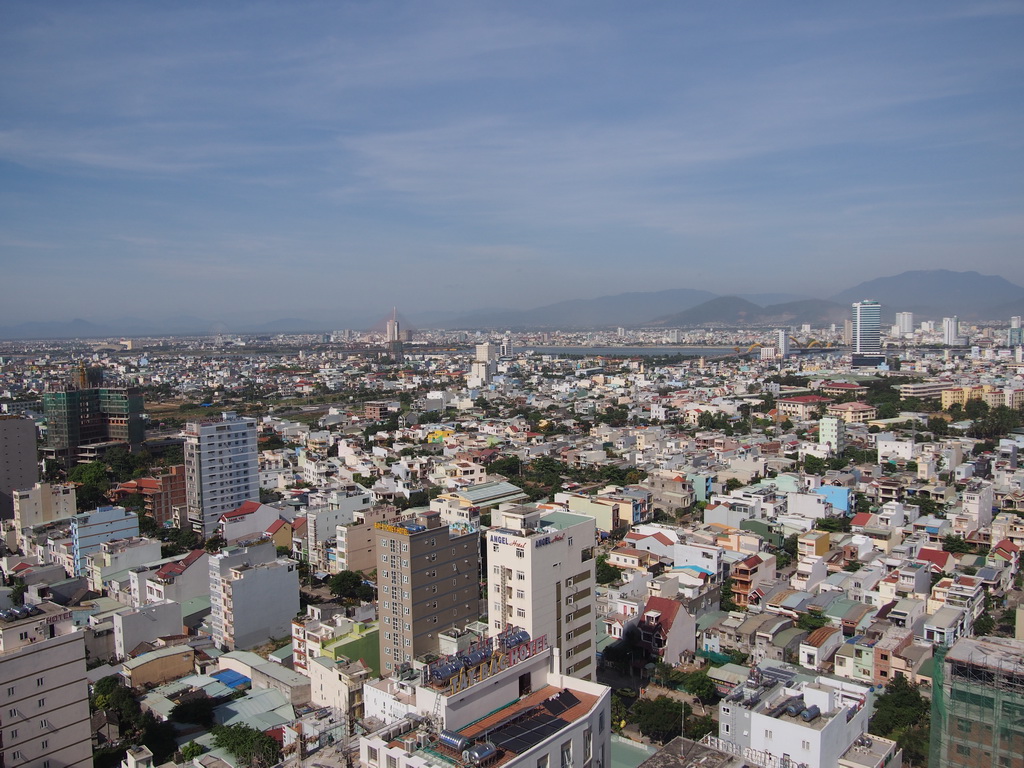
{"x": 929, "y": 294}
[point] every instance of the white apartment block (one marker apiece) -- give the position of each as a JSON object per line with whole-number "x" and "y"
{"x": 44, "y": 694}
{"x": 811, "y": 724}
{"x": 542, "y": 580}
{"x": 179, "y": 579}
{"x": 144, "y": 625}
{"x": 117, "y": 556}
{"x": 221, "y": 469}
{"x": 480, "y": 716}
{"x": 253, "y": 595}
{"x": 90, "y": 530}
{"x": 41, "y": 504}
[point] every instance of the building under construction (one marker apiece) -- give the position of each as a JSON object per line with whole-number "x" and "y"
{"x": 978, "y": 704}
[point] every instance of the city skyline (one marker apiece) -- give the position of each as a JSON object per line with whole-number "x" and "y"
{"x": 261, "y": 160}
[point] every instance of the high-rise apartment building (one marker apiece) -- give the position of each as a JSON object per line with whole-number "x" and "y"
{"x": 541, "y": 579}
{"x": 18, "y": 467}
{"x": 80, "y": 416}
{"x": 782, "y": 342}
{"x": 867, "y": 334}
{"x": 1015, "y": 336}
{"x": 44, "y": 692}
{"x": 951, "y": 331}
{"x": 978, "y": 704}
{"x": 905, "y": 322}
{"x": 427, "y": 582}
{"x": 221, "y": 469}
{"x": 254, "y": 594}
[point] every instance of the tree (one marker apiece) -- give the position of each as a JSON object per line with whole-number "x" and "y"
{"x": 902, "y": 713}
{"x": 733, "y": 484}
{"x": 660, "y": 719}
{"x": 955, "y": 545}
{"x": 92, "y": 484}
{"x": 984, "y": 624}
{"x": 605, "y": 572}
{"x": 195, "y": 711}
{"x": 811, "y": 621}
{"x": 726, "y": 602}
{"x": 700, "y": 685}
{"x": 349, "y": 585}
{"x": 191, "y": 751}
{"x": 814, "y": 466}
{"x": 833, "y": 524}
{"x": 250, "y": 746}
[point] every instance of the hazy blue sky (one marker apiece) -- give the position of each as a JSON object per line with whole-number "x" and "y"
{"x": 328, "y": 159}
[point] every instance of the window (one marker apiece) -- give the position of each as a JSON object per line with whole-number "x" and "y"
{"x": 10, "y": 691}
{"x": 521, "y": 613}
{"x": 726, "y": 728}
{"x": 520, "y": 576}
{"x": 542, "y": 761}
{"x": 520, "y": 594}
{"x": 805, "y": 745}
{"x": 600, "y": 723}
{"x": 392, "y": 761}
{"x": 14, "y": 733}
{"x": 12, "y": 712}
{"x": 520, "y": 553}
{"x": 963, "y": 749}
{"x": 494, "y": 547}
{"x": 726, "y": 711}
{"x": 567, "y": 755}
{"x": 44, "y": 723}
{"x": 371, "y": 755}
{"x": 16, "y": 755}
{"x": 23, "y": 636}
{"x": 587, "y": 744}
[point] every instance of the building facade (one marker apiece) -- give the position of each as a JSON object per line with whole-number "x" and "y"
{"x": 977, "y": 707}
{"x": 79, "y": 416}
{"x": 541, "y": 578}
{"x": 867, "y": 334}
{"x": 18, "y": 467}
{"x": 253, "y": 595}
{"x": 44, "y": 693}
{"x": 427, "y": 580}
{"x": 221, "y": 469}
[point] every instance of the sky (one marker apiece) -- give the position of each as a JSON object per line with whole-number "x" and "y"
{"x": 329, "y": 160}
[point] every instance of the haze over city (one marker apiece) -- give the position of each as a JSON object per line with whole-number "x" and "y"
{"x": 332, "y": 160}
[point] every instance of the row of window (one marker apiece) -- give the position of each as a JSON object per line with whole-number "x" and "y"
{"x": 13, "y": 689}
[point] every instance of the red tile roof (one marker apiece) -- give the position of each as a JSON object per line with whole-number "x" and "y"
{"x": 247, "y": 508}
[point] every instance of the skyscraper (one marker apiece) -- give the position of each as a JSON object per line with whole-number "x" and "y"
{"x": 867, "y": 334}
{"x": 1015, "y": 337}
{"x": 221, "y": 469}
{"x": 951, "y": 331}
{"x": 905, "y": 322}
{"x": 427, "y": 580}
{"x": 783, "y": 341}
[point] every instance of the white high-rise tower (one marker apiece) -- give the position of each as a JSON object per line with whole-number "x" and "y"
{"x": 221, "y": 469}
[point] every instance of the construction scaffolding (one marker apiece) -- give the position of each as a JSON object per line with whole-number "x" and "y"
{"x": 978, "y": 705}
